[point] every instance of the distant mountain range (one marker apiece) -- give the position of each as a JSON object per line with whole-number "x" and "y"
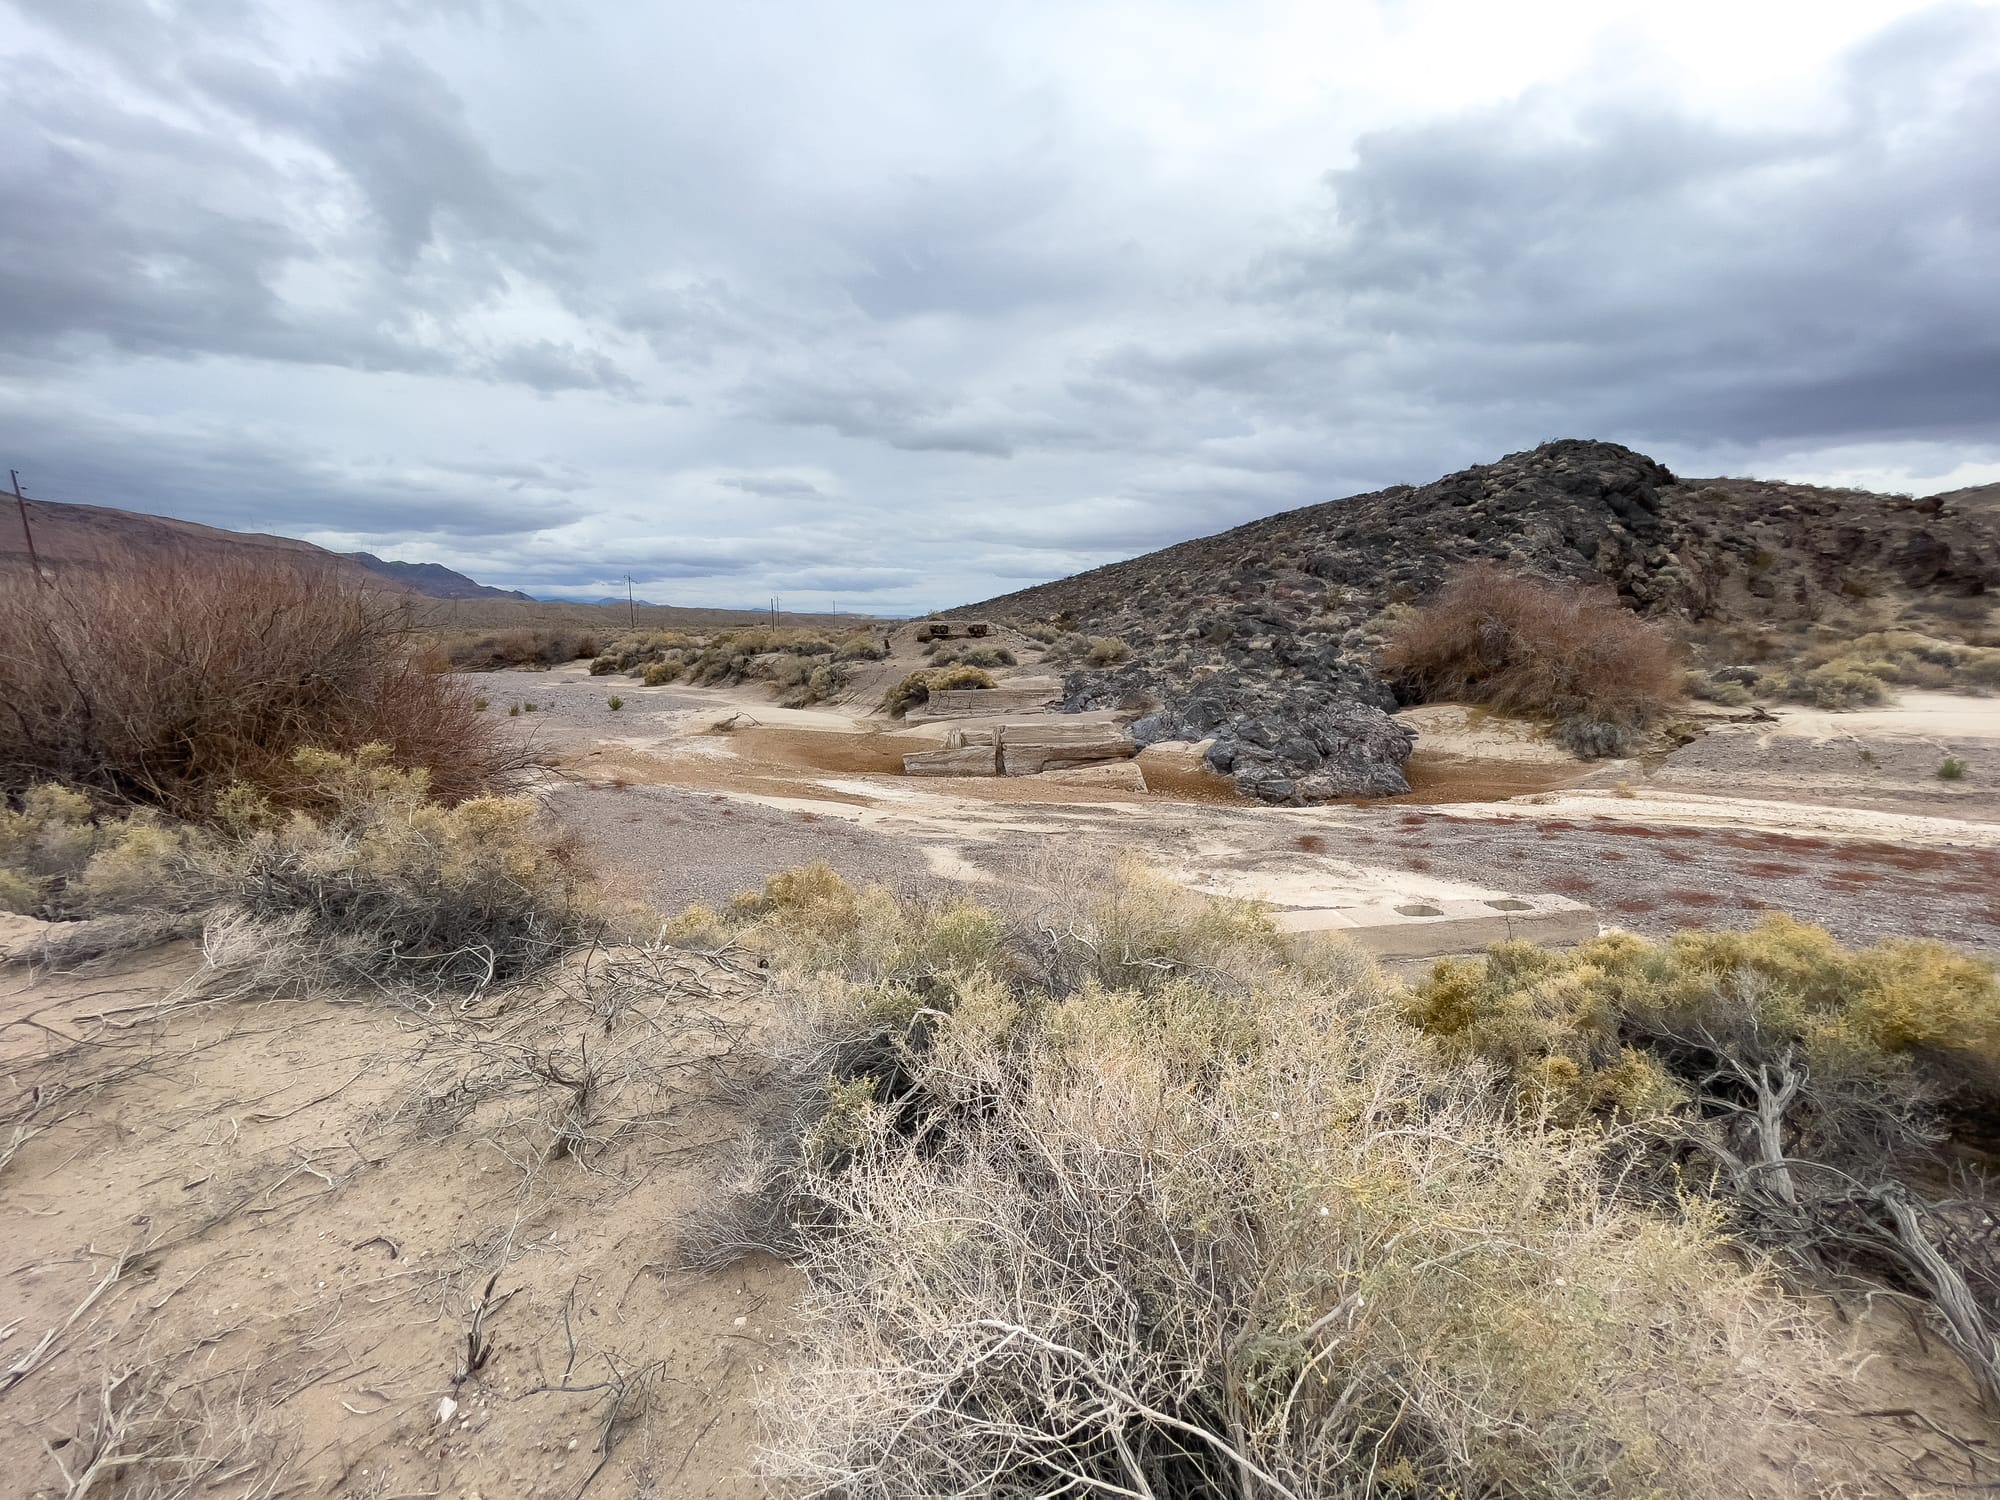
{"x": 434, "y": 579}
{"x": 602, "y": 599}
{"x": 69, "y": 537}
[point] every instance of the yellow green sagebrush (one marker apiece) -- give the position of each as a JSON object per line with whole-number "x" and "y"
{"x": 1856, "y": 672}
{"x": 1806, "y": 1084}
{"x": 378, "y": 882}
{"x": 1561, "y": 1023}
{"x": 1195, "y": 1187}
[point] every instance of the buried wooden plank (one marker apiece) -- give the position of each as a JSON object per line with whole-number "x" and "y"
{"x": 961, "y": 760}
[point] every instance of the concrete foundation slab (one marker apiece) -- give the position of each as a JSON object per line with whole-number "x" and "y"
{"x": 1417, "y": 928}
{"x": 1012, "y": 697}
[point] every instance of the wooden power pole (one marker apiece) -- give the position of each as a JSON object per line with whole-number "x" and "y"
{"x": 27, "y": 531}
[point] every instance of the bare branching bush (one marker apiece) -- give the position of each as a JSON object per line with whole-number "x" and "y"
{"x": 610, "y": 1042}
{"x": 1142, "y": 1197}
{"x": 145, "y": 1434}
{"x": 1572, "y": 656}
{"x": 165, "y": 684}
{"x": 1808, "y": 1083}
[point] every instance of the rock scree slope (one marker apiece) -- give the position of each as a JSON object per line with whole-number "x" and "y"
{"x": 1264, "y": 638}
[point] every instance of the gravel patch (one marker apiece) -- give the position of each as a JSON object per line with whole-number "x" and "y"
{"x": 569, "y": 709}
{"x": 673, "y": 848}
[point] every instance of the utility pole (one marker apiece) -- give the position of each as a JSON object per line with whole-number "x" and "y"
{"x": 631, "y": 610}
{"x": 27, "y": 531}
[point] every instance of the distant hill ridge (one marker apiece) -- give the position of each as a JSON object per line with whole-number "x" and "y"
{"x": 71, "y": 536}
{"x": 434, "y": 579}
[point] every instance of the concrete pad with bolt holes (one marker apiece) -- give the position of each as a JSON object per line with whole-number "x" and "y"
{"x": 1416, "y": 927}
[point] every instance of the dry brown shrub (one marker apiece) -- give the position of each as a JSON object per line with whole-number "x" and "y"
{"x": 1573, "y": 656}
{"x": 165, "y": 684}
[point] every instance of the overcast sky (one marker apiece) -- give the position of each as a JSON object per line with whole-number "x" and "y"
{"x": 913, "y": 303}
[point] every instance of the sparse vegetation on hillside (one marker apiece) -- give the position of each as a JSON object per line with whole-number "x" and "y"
{"x": 1858, "y": 671}
{"x": 1577, "y": 658}
{"x": 166, "y": 685}
{"x": 975, "y": 654}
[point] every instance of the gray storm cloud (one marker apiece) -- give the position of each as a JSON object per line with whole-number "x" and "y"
{"x": 885, "y": 302}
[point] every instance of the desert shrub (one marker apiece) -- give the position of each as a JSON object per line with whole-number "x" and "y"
{"x": 615, "y": 702}
{"x": 1951, "y": 768}
{"x": 820, "y": 685}
{"x": 811, "y": 920}
{"x": 1573, "y": 656}
{"x": 1040, "y": 633}
{"x": 61, "y": 859}
{"x": 1720, "y": 690}
{"x": 385, "y": 887}
{"x": 971, "y": 654}
{"x": 1107, "y": 651}
{"x": 633, "y": 653}
{"x": 1979, "y": 668}
{"x": 785, "y": 671}
{"x": 373, "y": 884}
{"x": 1830, "y": 673}
{"x": 660, "y": 673}
{"x": 1834, "y": 686}
{"x": 859, "y": 645}
{"x": 1067, "y": 648}
{"x": 916, "y": 689}
{"x": 165, "y": 684}
{"x": 1810, "y": 1083}
{"x": 1225, "y": 1224}
{"x": 522, "y": 646}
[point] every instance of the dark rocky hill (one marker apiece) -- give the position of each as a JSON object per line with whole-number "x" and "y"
{"x": 434, "y": 580}
{"x": 1266, "y": 635}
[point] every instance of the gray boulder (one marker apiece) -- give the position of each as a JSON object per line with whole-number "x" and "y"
{"x": 1285, "y": 742}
